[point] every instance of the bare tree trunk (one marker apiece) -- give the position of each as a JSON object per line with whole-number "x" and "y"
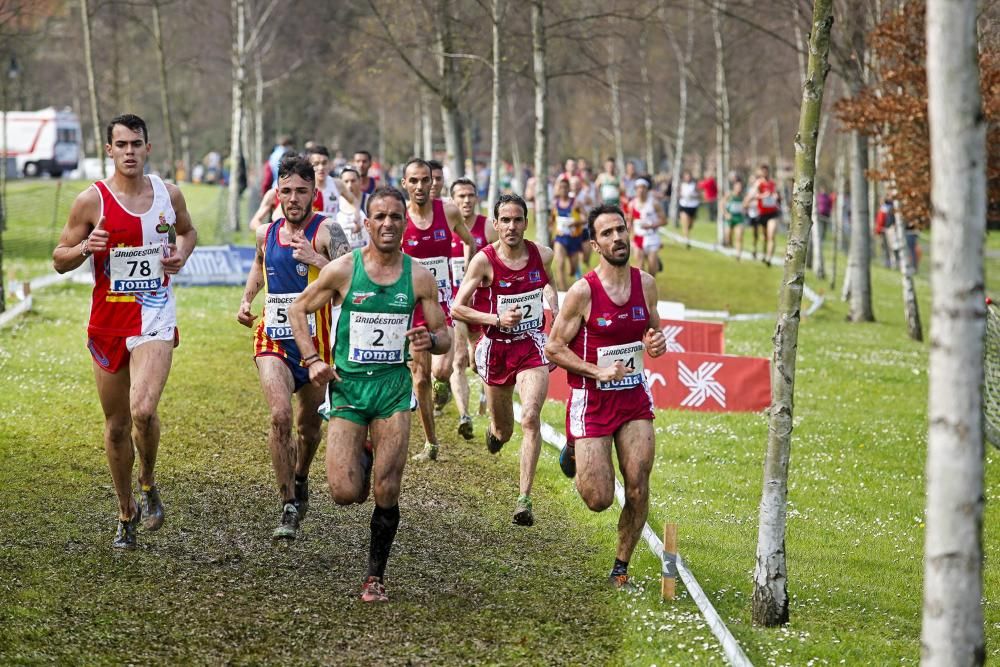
{"x": 418, "y": 123}
{"x": 911, "y": 310}
{"x": 616, "y": 105}
{"x": 683, "y": 63}
{"x": 818, "y": 232}
{"x": 186, "y": 148}
{"x": 451, "y": 120}
{"x": 88, "y": 59}
{"x": 161, "y": 60}
{"x": 770, "y": 595}
{"x": 541, "y": 122}
{"x": 495, "y": 119}
{"x": 647, "y": 104}
{"x": 515, "y": 148}
{"x": 859, "y": 257}
{"x": 381, "y": 141}
{"x": 952, "y": 631}
{"x": 256, "y": 151}
{"x": 721, "y": 122}
{"x": 428, "y": 123}
{"x": 838, "y": 210}
{"x": 238, "y": 8}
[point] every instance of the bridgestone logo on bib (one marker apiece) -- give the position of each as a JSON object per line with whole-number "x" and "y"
{"x": 630, "y": 354}
{"x": 276, "y": 324}
{"x": 530, "y": 303}
{"x": 377, "y": 338}
{"x": 437, "y": 266}
{"x": 137, "y": 269}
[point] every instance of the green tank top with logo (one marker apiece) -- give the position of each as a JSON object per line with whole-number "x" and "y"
{"x": 371, "y": 332}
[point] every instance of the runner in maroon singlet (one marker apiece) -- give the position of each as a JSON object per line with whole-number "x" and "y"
{"x": 510, "y": 278}
{"x": 607, "y": 324}
{"x": 463, "y": 193}
{"x": 430, "y": 224}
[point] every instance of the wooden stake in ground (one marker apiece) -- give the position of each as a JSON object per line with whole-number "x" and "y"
{"x": 770, "y": 594}
{"x": 669, "y": 585}
{"x": 952, "y": 632}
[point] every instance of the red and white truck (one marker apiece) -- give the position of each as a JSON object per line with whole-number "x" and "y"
{"x": 44, "y": 141}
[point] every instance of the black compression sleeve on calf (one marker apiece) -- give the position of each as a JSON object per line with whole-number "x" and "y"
{"x": 383, "y": 525}
{"x": 621, "y": 567}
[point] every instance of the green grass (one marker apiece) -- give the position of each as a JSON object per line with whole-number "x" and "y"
{"x": 466, "y": 586}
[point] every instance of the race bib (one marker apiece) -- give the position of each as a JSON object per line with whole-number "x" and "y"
{"x": 276, "y": 324}
{"x": 564, "y": 225}
{"x": 457, "y": 270}
{"x": 438, "y": 266}
{"x": 630, "y": 354}
{"x": 530, "y": 303}
{"x": 377, "y": 338}
{"x": 137, "y": 269}
{"x": 769, "y": 201}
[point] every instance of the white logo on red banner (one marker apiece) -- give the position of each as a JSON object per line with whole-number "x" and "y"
{"x": 670, "y": 333}
{"x": 702, "y": 384}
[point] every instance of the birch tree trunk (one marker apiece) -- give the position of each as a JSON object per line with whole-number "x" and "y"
{"x": 427, "y": 122}
{"x": 186, "y": 147}
{"x": 683, "y": 62}
{"x": 721, "y": 122}
{"x": 770, "y": 595}
{"x": 238, "y": 8}
{"x": 515, "y": 148}
{"x": 838, "y": 211}
{"x": 616, "y": 108}
{"x": 451, "y": 120}
{"x": 88, "y": 59}
{"x": 859, "y": 255}
{"x": 911, "y": 310}
{"x": 493, "y": 193}
{"x": 647, "y": 104}
{"x": 952, "y": 632}
{"x": 541, "y": 122}
{"x": 161, "y": 60}
{"x": 818, "y": 232}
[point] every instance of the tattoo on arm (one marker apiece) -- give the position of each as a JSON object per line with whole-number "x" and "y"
{"x": 338, "y": 241}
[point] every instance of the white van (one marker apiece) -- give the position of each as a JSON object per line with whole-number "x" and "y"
{"x": 42, "y": 141}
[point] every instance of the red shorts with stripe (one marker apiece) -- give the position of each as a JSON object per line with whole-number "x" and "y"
{"x": 112, "y": 353}
{"x": 595, "y": 413}
{"x": 499, "y": 361}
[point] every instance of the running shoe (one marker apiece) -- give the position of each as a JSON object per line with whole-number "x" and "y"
{"x": 522, "y": 512}
{"x": 465, "y": 427}
{"x": 622, "y": 582}
{"x": 152, "y": 508}
{"x": 493, "y": 443}
{"x": 429, "y": 453}
{"x": 302, "y": 497}
{"x": 373, "y": 590}
{"x": 367, "y": 462}
{"x": 442, "y": 394}
{"x": 289, "y": 526}
{"x": 567, "y": 461}
{"x": 125, "y": 535}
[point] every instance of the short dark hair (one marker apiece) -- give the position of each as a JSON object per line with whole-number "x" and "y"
{"x": 509, "y": 199}
{"x": 383, "y": 192}
{"x": 132, "y": 122}
{"x": 416, "y": 160}
{"x": 365, "y": 153}
{"x": 463, "y": 181}
{"x": 293, "y": 165}
{"x": 435, "y": 165}
{"x": 598, "y": 212}
{"x": 318, "y": 150}
{"x": 350, "y": 169}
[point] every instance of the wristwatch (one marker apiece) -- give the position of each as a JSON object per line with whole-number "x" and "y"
{"x": 85, "y": 250}
{"x": 434, "y": 340}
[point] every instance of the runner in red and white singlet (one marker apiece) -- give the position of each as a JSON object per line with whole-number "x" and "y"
{"x": 763, "y": 194}
{"x": 511, "y": 278}
{"x": 463, "y": 193}
{"x": 133, "y": 326}
{"x": 427, "y": 238}
{"x": 607, "y": 324}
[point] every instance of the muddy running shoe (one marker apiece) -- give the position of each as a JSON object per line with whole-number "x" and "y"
{"x": 429, "y": 453}
{"x": 125, "y": 535}
{"x": 567, "y": 461}
{"x": 442, "y": 394}
{"x": 152, "y": 508}
{"x": 302, "y": 497}
{"x": 289, "y": 526}
{"x": 522, "y": 512}
{"x": 367, "y": 461}
{"x": 622, "y": 582}
{"x": 465, "y": 427}
{"x": 493, "y": 443}
{"x": 373, "y": 590}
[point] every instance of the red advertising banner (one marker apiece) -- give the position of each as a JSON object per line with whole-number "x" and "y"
{"x": 693, "y": 381}
{"x": 694, "y": 336}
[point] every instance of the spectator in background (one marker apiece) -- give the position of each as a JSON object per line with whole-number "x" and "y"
{"x": 710, "y": 195}
{"x": 885, "y": 227}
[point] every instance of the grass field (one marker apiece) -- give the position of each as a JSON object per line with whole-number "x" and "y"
{"x": 467, "y": 587}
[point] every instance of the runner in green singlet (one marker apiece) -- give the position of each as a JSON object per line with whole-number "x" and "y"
{"x": 370, "y": 386}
